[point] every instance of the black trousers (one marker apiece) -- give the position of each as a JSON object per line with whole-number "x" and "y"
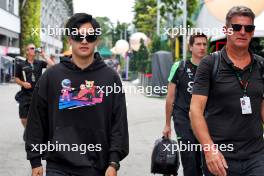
{"x": 191, "y": 159}
{"x": 58, "y": 172}
{"x": 249, "y": 167}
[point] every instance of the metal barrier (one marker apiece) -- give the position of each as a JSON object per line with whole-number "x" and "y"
{"x": 7, "y": 69}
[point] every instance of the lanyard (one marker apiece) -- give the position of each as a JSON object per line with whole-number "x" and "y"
{"x": 243, "y": 84}
{"x": 32, "y": 66}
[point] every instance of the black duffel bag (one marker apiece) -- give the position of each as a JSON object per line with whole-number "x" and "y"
{"x": 164, "y": 159}
{"x": 19, "y": 96}
{"x": 23, "y": 96}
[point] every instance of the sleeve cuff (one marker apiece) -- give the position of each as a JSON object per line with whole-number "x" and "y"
{"x": 115, "y": 157}
{"x": 36, "y": 162}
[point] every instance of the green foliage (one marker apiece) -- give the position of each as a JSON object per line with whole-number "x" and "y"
{"x": 140, "y": 59}
{"x": 122, "y": 62}
{"x": 148, "y": 66}
{"x": 132, "y": 62}
{"x": 30, "y": 22}
{"x": 157, "y": 44}
{"x": 257, "y": 46}
{"x": 171, "y": 7}
{"x": 118, "y": 32}
{"x": 66, "y": 45}
{"x": 174, "y": 7}
{"x": 111, "y": 33}
{"x": 210, "y": 48}
{"x": 145, "y": 16}
{"x": 106, "y": 26}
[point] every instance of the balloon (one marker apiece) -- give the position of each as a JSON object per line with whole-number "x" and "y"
{"x": 121, "y": 47}
{"x": 219, "y": 8}
{"x": 135, "y": 40}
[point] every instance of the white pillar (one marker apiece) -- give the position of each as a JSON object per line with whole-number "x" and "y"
{"x": 158, "y": 17}
{"x": 185, "y": 27}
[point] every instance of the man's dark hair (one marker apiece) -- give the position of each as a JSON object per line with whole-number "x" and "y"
{"x": 79, "y": 19}
{"x": 239, "y": 11}
{"x": 196, "y": 35}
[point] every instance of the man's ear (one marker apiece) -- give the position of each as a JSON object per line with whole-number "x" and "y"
{"x": 190, "y": 48}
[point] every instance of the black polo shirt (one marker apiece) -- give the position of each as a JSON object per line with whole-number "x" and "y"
{"x": 184, "y": 80}
{"x": 36, "y": 68}
{"x": 226, "y": 123}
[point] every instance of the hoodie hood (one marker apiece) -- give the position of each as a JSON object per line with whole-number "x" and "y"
{"x": 97, "y": 64}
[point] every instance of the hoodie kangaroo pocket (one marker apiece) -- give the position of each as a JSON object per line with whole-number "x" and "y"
{"x": 80, "y": 147}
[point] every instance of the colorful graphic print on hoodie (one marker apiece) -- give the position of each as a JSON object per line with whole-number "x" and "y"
{"x": 87, "y": 94}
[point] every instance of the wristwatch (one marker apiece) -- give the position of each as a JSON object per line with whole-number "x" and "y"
{"x": 114, "y": 165}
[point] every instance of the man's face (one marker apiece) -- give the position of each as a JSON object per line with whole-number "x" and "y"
{"x": 83, "y": 48}
{"x": 30, "y": 50}
{"x": 240, "y": 38}
{"x": 199, "y": 47}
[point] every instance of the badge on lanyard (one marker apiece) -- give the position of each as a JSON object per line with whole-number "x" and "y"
{"x": 245, "y": 105}
{"x": 245, "y": 100}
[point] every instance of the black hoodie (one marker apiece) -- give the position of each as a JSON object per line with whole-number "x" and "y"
{"x": 70, "y": 106}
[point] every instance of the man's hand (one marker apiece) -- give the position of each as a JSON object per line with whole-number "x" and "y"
{"x": 167, "y": 131}
{"x": 42, "y": 53}
{"x": 26, "y": 85}
{"x": 216, "y": 162}
{"x": 111, "y": 171}
{"x": 38, "y": 171}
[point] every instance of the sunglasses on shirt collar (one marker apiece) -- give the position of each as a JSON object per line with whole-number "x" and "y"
{"x": 238, "y": 27}
{"x": 88, "y": 38}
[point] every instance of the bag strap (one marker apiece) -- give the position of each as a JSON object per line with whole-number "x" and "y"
{"x": 260, "y": 62}
{"x": 180, "y": 71}
{"x": 216, "y": 56}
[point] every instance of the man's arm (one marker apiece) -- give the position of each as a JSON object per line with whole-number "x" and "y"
{"x": 37, "y": 128}
{"x": 198, "y": 122}
{"x": 215, "y": 161}
{"x": 119, "y": 139}
{"x": 24, "y": 84}
{"x": 19, "y": 82}
{"x": 173, "y": 79}
{"x": 202, "y": 86}
{"x": 169, "y": 108}
{"x": 118, "y": 68}
{"x": 47, "y": 59}
{"x": 18, "y": 77}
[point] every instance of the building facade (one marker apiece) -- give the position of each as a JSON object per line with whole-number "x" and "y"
{"x": 9, "y": 27}
{"x": 54, "y": 14}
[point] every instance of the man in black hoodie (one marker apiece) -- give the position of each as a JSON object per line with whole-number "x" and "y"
{"x": 75, "y": 123}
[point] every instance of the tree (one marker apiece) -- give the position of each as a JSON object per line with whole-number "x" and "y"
{"x": 106, "y": 29}
{"x": 30, "y": 23}
{"x": 145, "y": 16}
{"x": 120, "y": 31}
{"x": 174, "y": 7}
{"x": 65, "y": 43}
{"x": 157, "y": 44}
{"x": 141, "y": 57}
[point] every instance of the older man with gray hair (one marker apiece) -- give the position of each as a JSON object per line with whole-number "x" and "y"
{"x": 227, "y": 107}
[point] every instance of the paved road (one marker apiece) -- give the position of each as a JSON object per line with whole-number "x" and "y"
{"x": 146, "y": 120}
{"x": 12, "y": 153}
